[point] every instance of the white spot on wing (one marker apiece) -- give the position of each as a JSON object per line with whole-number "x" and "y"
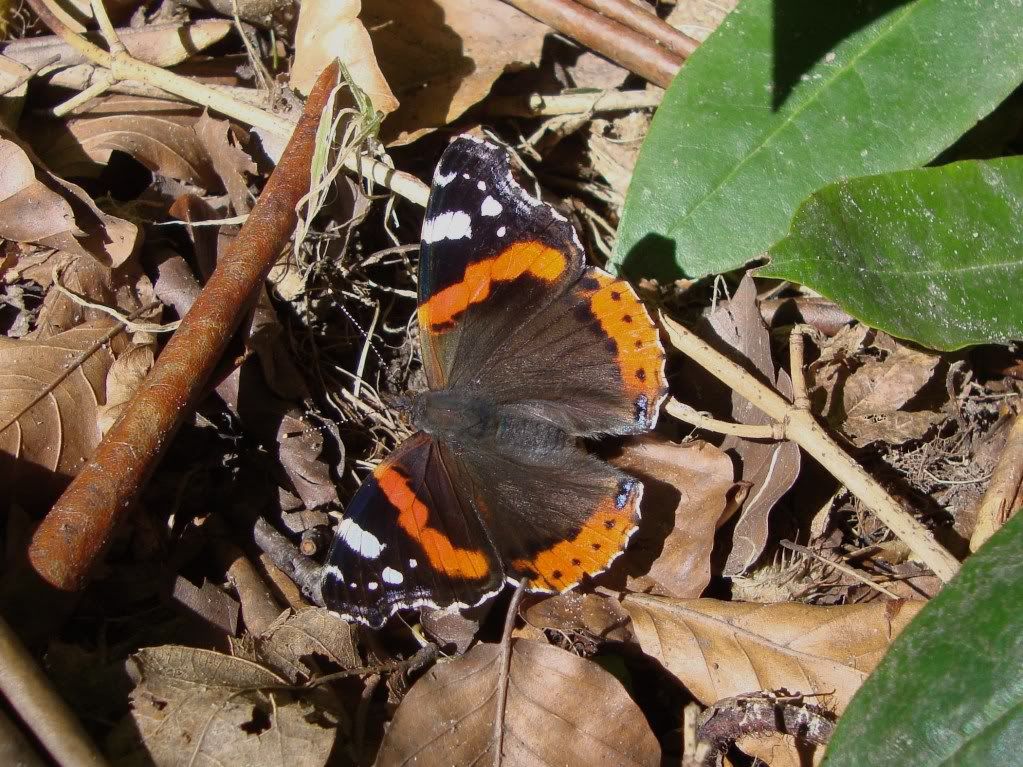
{"x": 481, "y": 185}
{"x": 412, "y": 563}
{"x": 442, "y": 179}
{"x": 500, "y": 233}
{"x": 362, "y": 542}
{"x": 490, "y": 207}
{"x": 392, "y": 576}
{"x": 452, "y": 225}
{"x": 372, "y": 585}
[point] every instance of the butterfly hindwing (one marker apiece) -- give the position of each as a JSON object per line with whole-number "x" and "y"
{"x": 409, "y": 539}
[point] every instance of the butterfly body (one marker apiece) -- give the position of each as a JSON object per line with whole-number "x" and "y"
{"x": 526, "y": 349}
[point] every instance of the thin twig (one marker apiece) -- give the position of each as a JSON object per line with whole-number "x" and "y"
{"x": 690, "y": 415}
{"x": 633, "y": 50}
{"x": 505, "y": 671}
{"x": 30, "y": 693}
{"x": 639, "y": 17}
{"x": 840, "y": 567}
{"x": 802, "y": 428}
{"x": 587, "y": 102}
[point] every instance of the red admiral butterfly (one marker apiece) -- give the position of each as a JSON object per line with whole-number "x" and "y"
{"x": 526, "y": 349}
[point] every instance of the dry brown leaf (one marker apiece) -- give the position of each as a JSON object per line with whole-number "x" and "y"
{"x": 770, "y": 467}
{"x": 12, "y": 97}
{"x": 123, "y": 379}
{"x": 329, "y": 30}
{"x": 698, "y": 18}
{"x": 722, "y": 649}
{"x": 593, "y": 615}
{"x": 42, "y": 449}
{"x": 199, "y": 707}
{"x": 688, "y": 491}
{"x": 38, "y": 207}
{"x": 442, "y": 57}
{"x": 288, "y": 645}
{"x": 561, "y": 710}
{"x": 230, "y": 162}
{"x": 159, "y": 134}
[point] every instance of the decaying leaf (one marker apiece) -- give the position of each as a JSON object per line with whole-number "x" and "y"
{"x": 288, "y": 645}
{"x": 229, "y": 161}
{"x": 448, "y": 716}
{"x": 770, "y": 467}
{"x": 442, "y": 57}
{"x": 199, "y": 707}
{"x": 862, "y": 381}
{"x": 329, "y": 30}
{"x": 688, "y": 491}
{"x": 42, "y": 448}
{"x": 38, "y": 207}
{"x": 594, "y": 615}
{"x": 698, "y": 18}
{"x": 123, "y": 380}
{"x": 721, "y": 649}
{"x": 159, "y": 134}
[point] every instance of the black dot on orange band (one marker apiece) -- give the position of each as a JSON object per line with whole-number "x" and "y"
{"x": 616, "y": 296}
{"x": 596, "y": 547}
{"x": 639, "y": 344}
{"x": 641, "y": 374}
{"x": 609, "y": 524}
{"x": 627, "y": 318}
{"x": 576, "y": 562}
{"x": 556, "y": 575}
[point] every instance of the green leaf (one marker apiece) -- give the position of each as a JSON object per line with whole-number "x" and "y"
{"x": 949, "y": 691}
{"x": 933, "y": 255}
{"x": 789, "y": 95}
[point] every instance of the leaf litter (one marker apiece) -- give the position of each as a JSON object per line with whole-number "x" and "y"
{"x": 118, "y": 204}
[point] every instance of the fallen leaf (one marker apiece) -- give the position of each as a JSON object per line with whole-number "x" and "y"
{"x": 722, "y": 649}
{"x": 194, "y": 706}
{"x": 698, "y": 18}
{"x": 593, "y": 615}
{"x": 128, "y": 371}
{"x": 288, "y": 645}
{"x": 442, "y": 57}
{"x": 12, "y": 97}
{"x": 230, "y": 161}
{"x": 448, "y": 716}
{"x": 38, "y": 207}
{"x": 158, "y": 134}
{"x": 42, "y": 448}
{"x": 771, "y": 467}
{"x": 329, "y": 30}
{"x": 688, "y": 491}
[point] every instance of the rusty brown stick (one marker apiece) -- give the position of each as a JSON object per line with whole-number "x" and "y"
{"x": 75, "y": 533}
{"x": 627, "y": 47}
{"x": 643, "y": 20}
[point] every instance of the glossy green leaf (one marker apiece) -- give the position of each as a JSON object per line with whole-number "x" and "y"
{"x": 934, "y": 255}
{"x": 949, "y": 692}
{"x": 789, "y": 95}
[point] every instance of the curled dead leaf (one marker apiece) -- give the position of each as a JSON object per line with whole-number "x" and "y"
{"x": 688, "y": 491}
{"x": 443, "y": 56}
{"x": 38, "y": 207}
{"x": 329, "y": 30}
{"x": 448, "y": 716}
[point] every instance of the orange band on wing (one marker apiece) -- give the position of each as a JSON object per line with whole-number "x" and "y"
{"x": 413, "y": 517}
{"x": 533, "y": 258}
{"x": 600, "y": 540}
{"x": 640, "y": 356}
